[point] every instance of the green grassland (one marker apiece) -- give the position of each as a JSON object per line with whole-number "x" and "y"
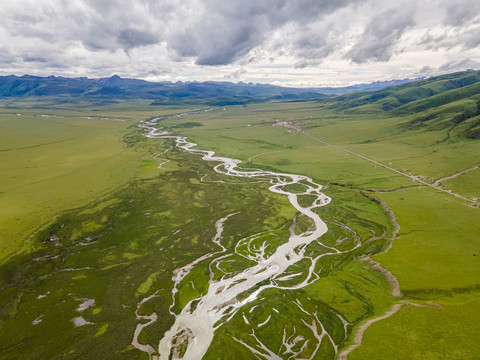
{"x": 435, "y": 258}
{"x": 114, "y": 246}
{"x": 125, "y": 246}
{"x": 442, "y": 235}
{"x": 129, "y": 224}
{"x": 55, "y": 159}
{"x": 446, "y": 332}
{"x": 435, "y": 255}
{"x": 467, "y": 183}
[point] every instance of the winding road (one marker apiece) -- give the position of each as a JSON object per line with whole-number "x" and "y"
{"x": 413, "y": 177}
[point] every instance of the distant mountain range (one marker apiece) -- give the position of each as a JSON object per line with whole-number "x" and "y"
{"x": 107, "y": 90}
{"x": 116, "y": 88}
{"x": 377, "y": 85}
{"x": 449, "y": 101}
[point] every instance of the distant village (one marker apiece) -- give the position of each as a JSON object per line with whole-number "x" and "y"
{"x": 287, "y": 124}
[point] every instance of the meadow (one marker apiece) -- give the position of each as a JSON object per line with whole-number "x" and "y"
{"x": 54, "y": 159}
{"x": 128, "y": 224}
{"x": 435, "y": 256}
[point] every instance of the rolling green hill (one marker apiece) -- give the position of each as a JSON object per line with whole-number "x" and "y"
{"x": 449, "y": 101}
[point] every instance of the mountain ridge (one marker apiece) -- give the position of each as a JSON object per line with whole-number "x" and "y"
{"x": 210, "y": 92}
{"x": 449, "y": 101}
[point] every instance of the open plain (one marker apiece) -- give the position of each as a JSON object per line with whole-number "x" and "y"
{"x": 288, "y": 230}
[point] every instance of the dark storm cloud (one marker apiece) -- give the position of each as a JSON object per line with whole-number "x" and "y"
{"x": 37, "y": 59}
{"x": 216, "y": 39}
{"x": 134, "y": 36}
{"x": 472, "y": 39}
{"x": 315, "y": 43}
{"x": 213, "y": 32}
{"x": 98, "y": 25}
{"x": 434, "y": 42}
{"x": 461, "y": 12}
{"x": 382, "y": 35}
{"x": 131, "y": 38}
{"x": 459, "y": 65}
{"x": 227, "y": 30}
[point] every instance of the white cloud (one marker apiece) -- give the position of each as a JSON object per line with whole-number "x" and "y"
{"x": 303, "y": 42}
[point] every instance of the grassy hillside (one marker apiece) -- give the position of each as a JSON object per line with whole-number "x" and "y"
{"x": 395, "y": 96}
{"x": 449, "y": 101}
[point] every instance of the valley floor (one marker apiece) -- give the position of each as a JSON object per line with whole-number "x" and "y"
{"x": 153, "y": 235}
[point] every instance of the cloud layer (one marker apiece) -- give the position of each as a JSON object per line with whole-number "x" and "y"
{"x": 294, "y": 42}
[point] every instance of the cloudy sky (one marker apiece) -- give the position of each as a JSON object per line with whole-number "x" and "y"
{"x": 284, "y": 42}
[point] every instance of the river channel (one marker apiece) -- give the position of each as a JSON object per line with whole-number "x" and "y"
{"x": 197, "y": 322}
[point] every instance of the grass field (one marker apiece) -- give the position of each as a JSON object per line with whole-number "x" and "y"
{"x": 435, "y": 257}
{"x": 467, "y": 183}
{"x": 56, "y": 159}
{"x": 110, "y": 226}
{"x": 446, "y": 332}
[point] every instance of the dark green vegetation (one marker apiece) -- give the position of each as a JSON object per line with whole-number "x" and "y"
{"x": 117, "y": 251}
{"x": 124, "y": 247}
{"x": 121, "y": 246}
{"x": 53, "y": 159}
{"x": 449, "y": 102}
{"x": 347, "y": 289}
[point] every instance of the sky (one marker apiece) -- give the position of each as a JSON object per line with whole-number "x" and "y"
{"x": 302, "y": 43}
